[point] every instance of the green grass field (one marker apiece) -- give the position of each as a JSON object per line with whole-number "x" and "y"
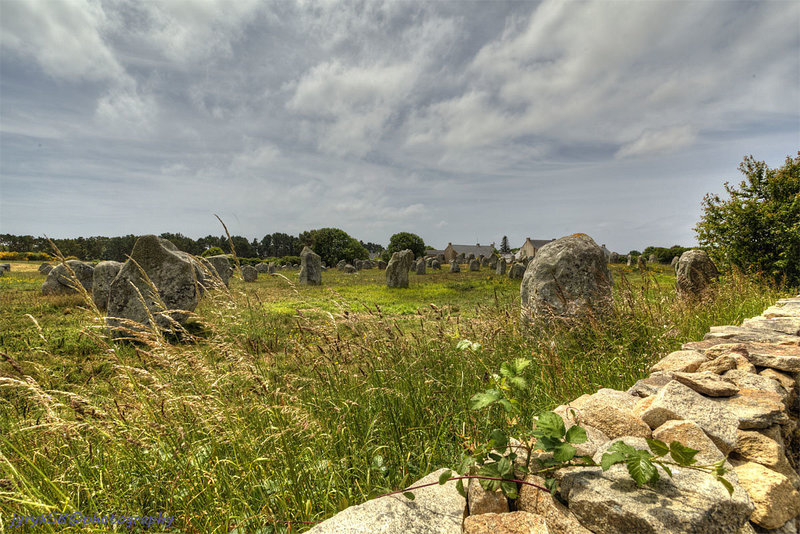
{"x": 292, "y": 403}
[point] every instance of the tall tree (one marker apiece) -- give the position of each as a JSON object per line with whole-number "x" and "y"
{"x": 504, "y": 248}
{"x": 758, "y": 227}
{"x": 407, "y": 240}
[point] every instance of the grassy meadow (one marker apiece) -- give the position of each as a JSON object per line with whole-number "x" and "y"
{"x": 290, "y": 403}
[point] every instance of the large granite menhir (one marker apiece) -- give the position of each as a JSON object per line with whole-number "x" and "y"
{"x": 157, "y": 281}
{"x": 398, "y": 268}
{"x": 310, "y": 268}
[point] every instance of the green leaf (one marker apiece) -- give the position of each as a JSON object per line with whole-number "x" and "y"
{"x": 641, "y": 469}
{"x": 666, "y": 468}
{"x": 659, "y": 448}
{"x": 564, "y": 452}
{"x": 518, "y": 382}
{"x": 587, "y": 460}
{"x": 499, "y": 438}
{"x": 728, "y": 485}
{"x": 444, "y": 477}
{"x": 576, "y": 435}
{"x": 552, "y": 485}
{"x": 408, "y": 495}
{"x": 466, "y": 463}
{"x": 681, "y": 454}
{"x": 507, "y": 370}
{"x": 551, "y": 425}
{"x": 547, "y": 444}
{"x": 520, "y": 364}
{"x": 460, "y": 487}
{"x": 610, "y": 459}
{"x": 494, "y": 456}
{"x": 624, "y": 448}
{"x": 509, "y": 489}
{"x": 482, "y": 400}
{"x": 504, "y": 467}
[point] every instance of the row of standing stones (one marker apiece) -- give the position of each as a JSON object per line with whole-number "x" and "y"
{"x": 732, "y": 396}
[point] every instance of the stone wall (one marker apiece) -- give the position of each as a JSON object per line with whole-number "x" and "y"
{"x": 732, "y": 396}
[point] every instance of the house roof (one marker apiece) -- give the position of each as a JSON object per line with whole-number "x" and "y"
{"x": 539, "y": 243}
{"x": 433, "y": 252}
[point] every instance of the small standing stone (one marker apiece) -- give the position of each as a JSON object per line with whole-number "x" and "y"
{"x": 454, "y": 267}
{"x": 45, "y": 268}
{"x": 104, "y": 274}
{"x": 249, "y": 273}
{"x": 398, "y": 268}
{"x": 695, "y": 272}
{"x": 310, "y": 268}
{"x": 501, "y": 267}
{"x": 421, "y": 266}
{"x": 474, "y": 265}
{"x": 517, "y": 271}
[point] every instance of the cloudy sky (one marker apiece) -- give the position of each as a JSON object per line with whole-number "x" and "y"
{"x": 459, "y": 121}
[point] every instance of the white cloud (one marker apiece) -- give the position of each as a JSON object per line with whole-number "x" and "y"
{"x": 66, "y": 39}
{"x": 655, "y": 142}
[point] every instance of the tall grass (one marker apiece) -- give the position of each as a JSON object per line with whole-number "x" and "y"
{"x": 264, "y": 423}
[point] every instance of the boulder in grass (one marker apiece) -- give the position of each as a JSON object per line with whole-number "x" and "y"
{"x": 45, "y": 268}
{"x": 104, "y": 274}
{"x": 157, "y": 281}
{"x": 398, "y": 268}
{"x": 420, "y": 267}
{"x": 500, "y": 267}
{"x": 455, "y": 267}
{"x": 474, "y": 265}
{"x": 222, "y": 266}
{"x": 568, "y": 277}
{"x": 310, "y": 268}
{"x": 349, "y": 269}
{"x": 249, "y": 273}
{"x": 694, "y": 273}
{"x": 516, "y": 271}
{"x": 5, "y": 268}
{"x": 61, "y": 282}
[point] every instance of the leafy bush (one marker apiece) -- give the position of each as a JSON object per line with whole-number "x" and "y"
{"x": 758, "y": 227}
{"x": 333, "y": 244}
{"x": 406, "y": 240}
{"x": 213, "y": 251}
{"x": 664, "y": 255}
{"x": 26, "y": 256}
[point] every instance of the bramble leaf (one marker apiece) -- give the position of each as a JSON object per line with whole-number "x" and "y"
{"x": 610, "y": 459}
{"x": 547, "y": 444}
{"x": 509, "y": 489}
{"x": 641, "y": 468}
{"x": 482, "y": 400}
{"x": 564, "y": 452}
{"x": 659, "y": 448}
{"x": 551, "y": 425}
{"x": 728, "y": 485}
{"x": 460, "y": 487}
{"x": 408, "y": 495}
{"x": 445, "y": 476}
{"x": 682, "y": 454}
{"x": 576, "y": 435}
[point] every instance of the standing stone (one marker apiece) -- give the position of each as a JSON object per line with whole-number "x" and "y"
{"x": 500, "y": 268}
{"x": 461, "y": 258}
{"x": 674, "y": 263}
{"x": 640, "y": 264}
{"x": 381, "y": 265}
{"x": 349, "y": 269}
{"x": 630, "y": 260}
{"x": 493, "y": 262}
{"x": 310, "y": 268}
{"x": 5, "y": 268}
{"x": 652, "y": 259}
{"x": 341, "y": 265}
{"x": 60, "y": 282}
{"x": 262, "y": 268}
{"x": 435, "y": 264}
{"x": 484, "y": 261}
{"x": 470, "y": 257}
{"x": 568, "y": 277}
{"x": 454, "y": 267}
{"x": 614, "y": 258}
{"x": 397, "y": 270}
{"x": 222, "y": 267}
{"x": 271, "y": 268}
{"x": 358, "y": 264}
{"x": 421, "y": 266}
{"x": 516, "y": 271}
{"x": 45, "y": 268}
{"x": 131, "y": 297}
{"x": 249, "y": 273}
{"x": 104, "y": 274}
{"x": 695, "y": 272}
{"x": 429, "y": 262}
{"x": 441, "y": 258}
{"x": 474, "y": 265}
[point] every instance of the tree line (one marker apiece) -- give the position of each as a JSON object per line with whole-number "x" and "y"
{"x": 275, "y": 245}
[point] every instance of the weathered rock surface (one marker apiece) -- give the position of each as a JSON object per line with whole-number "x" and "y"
{"x": 610, "y": 503}
{"x": 349, "y": 269}
{"x": 45, "y": 268}
{"x": 775, "y": 499}
{"x": 500, "y": 268}
{"x": 756, "y": 446}
{"x": 745, "y": 334}
{"x": 514, "y": 523}
{"x": 567, "y": 277}
{"x": 485, "y": 502}
{"x": 421, "y": 267}
{"x": 747, "y": 380}
{"x": 435, "y": 510}
{"x": 310, "y": 267}
{"x": 681, "y": 361}
{"x": 691, "y": 435}
{"x": 557, "y": 516}
{"x": 60, "y": 282}
{"x": 249, "y": 273}
{"x": 455, "y": 267}
{"x": 650, "y": 385}
{"x": 786, "y": 325}
{"x": 676, "y": 401}
{"x": 694, "y": 273}
{"x": 104, "y": 274}
{"x": 708, "y": 383}
{"x": 398, "y": 268}
{"x": 131, "y": 297}
{"x": 718, "y": 365}
{"x": 610, "y": 412}
{"x": 474, "y": 265}
{"x": 754, "y": 408}
{"x": 222, "y": 268}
